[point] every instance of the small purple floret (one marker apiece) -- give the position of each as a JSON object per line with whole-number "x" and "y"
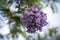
{"x": 34, "y": 19}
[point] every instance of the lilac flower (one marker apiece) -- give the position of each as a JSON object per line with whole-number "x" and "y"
{"x": 34, "y": 19}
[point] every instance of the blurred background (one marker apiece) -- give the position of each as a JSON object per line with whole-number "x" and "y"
{"x": 11, "y": 27}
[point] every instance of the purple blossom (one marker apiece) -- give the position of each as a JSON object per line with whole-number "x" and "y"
{"x": 34, "y": 19}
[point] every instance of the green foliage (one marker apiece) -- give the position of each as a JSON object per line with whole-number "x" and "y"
{"x": 15, "y": 28}
{"x": 12, "y": 17}
{"x": 32, "y": 2}
{"x": 15, "y": 31}
{"x": 39, "y": 38}
{"x": 58, "y": 37}
{"x": 52, "y": 31}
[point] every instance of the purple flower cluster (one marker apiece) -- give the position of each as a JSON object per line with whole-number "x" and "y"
{"x": 34, "y": 19}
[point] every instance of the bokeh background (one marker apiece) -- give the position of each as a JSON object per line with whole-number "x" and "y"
{"x": 11, "y": 28}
